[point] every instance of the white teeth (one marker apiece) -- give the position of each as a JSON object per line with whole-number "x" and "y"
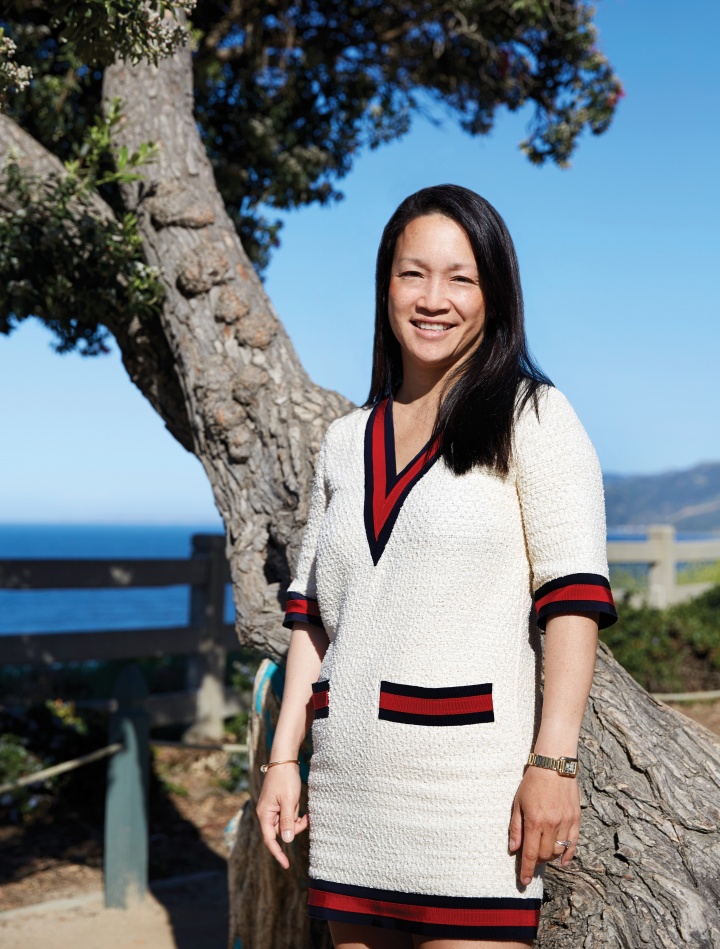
{"x": 438, "y": 327}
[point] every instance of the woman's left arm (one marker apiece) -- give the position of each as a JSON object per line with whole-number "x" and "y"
{"x": 547, "y": 805}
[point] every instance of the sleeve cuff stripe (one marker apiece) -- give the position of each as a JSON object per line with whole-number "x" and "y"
{"x": 297, "y": 605}
{"x": 292, "y": 617}
{"x": 575, "y": 591}
{"x": 607, "y": 612}
{"x": 301, "y": 609}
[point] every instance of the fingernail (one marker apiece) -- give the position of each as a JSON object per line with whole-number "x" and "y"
{"x": 287, "y": 836}
{"x": 512, "y": 843}
{"x": 527, "y": 880}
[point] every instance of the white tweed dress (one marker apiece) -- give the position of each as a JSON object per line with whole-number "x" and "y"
{"x": 431, "y": 588}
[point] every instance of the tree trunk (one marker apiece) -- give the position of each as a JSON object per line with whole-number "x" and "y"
{"x": 256, "y": 418}
{"x": 646, "y": 873}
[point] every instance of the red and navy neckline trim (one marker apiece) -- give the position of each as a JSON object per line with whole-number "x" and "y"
{"x": 386, "y": 489}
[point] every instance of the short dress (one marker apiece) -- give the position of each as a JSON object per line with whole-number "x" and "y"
{"x": 432, "y": 589}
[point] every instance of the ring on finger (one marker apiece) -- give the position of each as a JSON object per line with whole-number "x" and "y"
{"x": 564, "y": 843}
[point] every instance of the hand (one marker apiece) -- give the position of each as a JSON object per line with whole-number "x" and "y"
{"x": 546, "y": 809}
{"x": 277, "y": 809}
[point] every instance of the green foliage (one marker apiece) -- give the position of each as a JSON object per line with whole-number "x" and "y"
{"x": 13, "y": 78}
{"x": 16, "y": 761}
{"x": 662, "y": 648}
{"x": 286, "y": 96}
{"x": 59, "y": 261}
{"x": 698, "y": 624}
{"x": 100, "y": 30}
{"x": 44, "y": 734}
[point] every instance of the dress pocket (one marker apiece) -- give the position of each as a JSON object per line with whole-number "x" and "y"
{"x": 455, "y": 705}
{"x": 321, "y": 698}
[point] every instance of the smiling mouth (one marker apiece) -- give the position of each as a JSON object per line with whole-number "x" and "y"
{"x": 435, "y": 327}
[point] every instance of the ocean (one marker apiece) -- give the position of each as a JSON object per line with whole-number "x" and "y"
{"x": 48, "y": 611}
{"x": 28, "y": 611}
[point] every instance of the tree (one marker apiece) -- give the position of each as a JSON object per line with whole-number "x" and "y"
{"x": 285, "y": 96}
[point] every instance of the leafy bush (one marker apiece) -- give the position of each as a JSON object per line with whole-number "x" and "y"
{"x": 672, "y": 649}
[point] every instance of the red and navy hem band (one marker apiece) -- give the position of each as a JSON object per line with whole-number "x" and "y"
{"x": 301, "y": 609}
{"x": 321, "y": 698}
{"x": 454, "y": 705}
{"x": 576, "y": 593}
{"x": 451, "y": 917}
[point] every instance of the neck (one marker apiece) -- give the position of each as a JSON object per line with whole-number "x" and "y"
{"x": 421, "y": 389}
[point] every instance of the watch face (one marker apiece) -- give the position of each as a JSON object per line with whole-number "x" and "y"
{"x": 569, "y": 766}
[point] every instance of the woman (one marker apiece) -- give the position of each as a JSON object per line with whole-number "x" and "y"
{"x": 455, "y": 515}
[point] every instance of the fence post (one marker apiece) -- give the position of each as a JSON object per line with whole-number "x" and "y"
{"x": 661, "y": 577}
{"x": 126, "y": 823}
{"x": 206, "y": 669}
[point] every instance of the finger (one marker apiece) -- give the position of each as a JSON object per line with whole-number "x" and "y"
{"x": 530, "y": 851}
{"x": 301, "y": 824}
{"x": 572, "y": 834}
{"x": 287, "y": 821}
{"x": 268, "y": 828}
{"x": 515, "y": 830}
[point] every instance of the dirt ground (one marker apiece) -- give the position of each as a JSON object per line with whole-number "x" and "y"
{"x": 51, "y": 871}
{"x": 706, "y": 713}
{"x": 52, "y": 894}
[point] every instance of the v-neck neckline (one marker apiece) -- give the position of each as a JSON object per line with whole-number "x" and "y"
{"x": 386, "y": 489}
{"x": 392, "y": 475}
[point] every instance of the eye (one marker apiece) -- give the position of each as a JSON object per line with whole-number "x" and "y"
{"x": 462, "y": 279}
{"x": 410, "y": 273}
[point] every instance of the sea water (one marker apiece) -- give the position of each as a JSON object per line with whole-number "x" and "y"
{"x": 48, "y": 611}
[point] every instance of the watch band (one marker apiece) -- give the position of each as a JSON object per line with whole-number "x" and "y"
{"x": 568, "y": 767}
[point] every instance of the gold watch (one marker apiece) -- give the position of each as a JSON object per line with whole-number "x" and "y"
{"x": 568, "y": 767}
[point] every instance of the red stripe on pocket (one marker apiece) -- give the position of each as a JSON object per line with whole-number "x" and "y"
{"x": 321, "y": 699}
{"x": 462, "y": 705}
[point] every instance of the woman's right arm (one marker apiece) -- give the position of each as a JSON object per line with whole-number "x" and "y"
{"x": 279, "y": 801}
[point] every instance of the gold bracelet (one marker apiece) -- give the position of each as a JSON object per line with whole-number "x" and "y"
{"x": 271, "y": 764}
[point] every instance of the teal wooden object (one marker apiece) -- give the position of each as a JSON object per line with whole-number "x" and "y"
{"x": 126, "y": 824}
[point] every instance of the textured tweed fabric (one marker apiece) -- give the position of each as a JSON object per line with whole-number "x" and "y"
{"x": 432, "y": 589}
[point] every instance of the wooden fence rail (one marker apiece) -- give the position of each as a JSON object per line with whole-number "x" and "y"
{"x": 206, "y": 639}
{"x": 662, "y": 552}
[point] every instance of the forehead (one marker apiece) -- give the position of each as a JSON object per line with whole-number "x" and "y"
{"x": 436, "y": 237}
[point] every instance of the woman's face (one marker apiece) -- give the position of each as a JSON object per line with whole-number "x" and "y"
{"x": 435, "y": 303}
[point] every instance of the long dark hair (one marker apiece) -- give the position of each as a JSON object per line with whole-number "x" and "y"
{"x": 485, "y": 391}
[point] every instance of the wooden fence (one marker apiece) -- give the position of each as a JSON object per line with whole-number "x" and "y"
{"x": 205, "y": 640}
{"x": 662, "y": 552}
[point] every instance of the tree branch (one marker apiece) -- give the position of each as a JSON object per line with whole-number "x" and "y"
{"x": 145, "y": 352}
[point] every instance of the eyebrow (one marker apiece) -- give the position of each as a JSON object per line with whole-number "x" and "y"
{"x": 421, "y": 263}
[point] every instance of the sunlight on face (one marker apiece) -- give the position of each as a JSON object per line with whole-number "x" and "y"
{"x": 436, "y": 305}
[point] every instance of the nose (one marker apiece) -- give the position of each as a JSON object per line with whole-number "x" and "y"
{"x": 434, "y": 298}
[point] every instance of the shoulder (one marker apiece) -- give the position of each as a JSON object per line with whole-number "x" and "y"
{"x": 344, "y": 430}
{"x": 548, "y": 421}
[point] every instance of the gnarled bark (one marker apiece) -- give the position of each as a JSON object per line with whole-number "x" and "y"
{"x": 257, "y": 419}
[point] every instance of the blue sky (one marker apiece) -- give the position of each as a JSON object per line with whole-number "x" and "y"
{"x": 619, "y": 258}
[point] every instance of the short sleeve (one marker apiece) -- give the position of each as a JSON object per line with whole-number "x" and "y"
{"x": 301, "y": 605}
{"x": 560, "y": 489}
